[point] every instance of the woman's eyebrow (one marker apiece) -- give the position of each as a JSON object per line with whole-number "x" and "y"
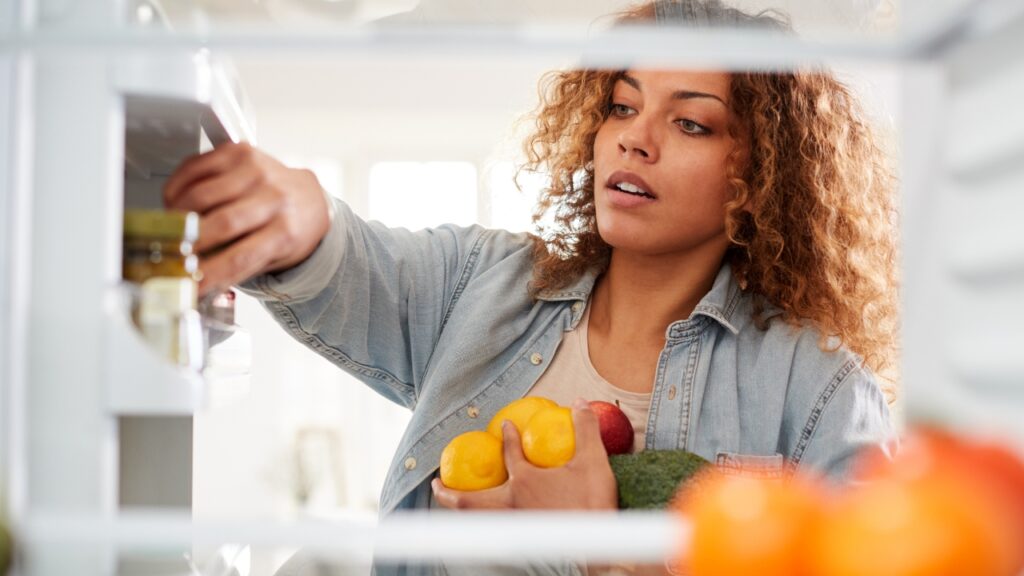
{"x": 677, "y": 95}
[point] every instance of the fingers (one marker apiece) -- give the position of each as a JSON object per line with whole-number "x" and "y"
{"x": 588, "y": 431}
{"x": 240, "y": 261}
{"x": 496, "y": 498}
{"x": 512, "y": 447}
{"x": 203, "y": 166}
{"x": 218, "y": 189}
{"x": 237, "y": 219}
{"x": 261, "y": 215}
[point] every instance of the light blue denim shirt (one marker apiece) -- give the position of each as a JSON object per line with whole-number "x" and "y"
{"x": 440, "y": 321}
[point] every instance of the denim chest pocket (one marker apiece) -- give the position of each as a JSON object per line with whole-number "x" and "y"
{"x": 751, "y": 465}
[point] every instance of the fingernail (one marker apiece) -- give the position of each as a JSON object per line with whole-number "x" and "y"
{"x": 434, "y": 485}
{"x": 580, "y": 404}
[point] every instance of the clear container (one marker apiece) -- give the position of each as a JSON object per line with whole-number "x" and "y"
{"x": 218, "y": 312}
{"x": 169, "y": 321}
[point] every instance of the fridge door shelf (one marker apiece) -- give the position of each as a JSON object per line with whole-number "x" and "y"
{"x": 141, "y": 382}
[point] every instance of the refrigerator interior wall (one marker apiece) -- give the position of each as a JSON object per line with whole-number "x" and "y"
{"x": 978, "y": 231}
{"x": 16, "y": 110}
{"x": 6, "y": 254}
{"x": 75, "y": 247}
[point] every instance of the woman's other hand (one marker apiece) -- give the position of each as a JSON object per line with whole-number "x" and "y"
{"x": 584, "y": 483}
{"x": 256, "y": 214}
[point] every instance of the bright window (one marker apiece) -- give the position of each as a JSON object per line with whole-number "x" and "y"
{"x": 328, "y": 172}
{"x": 510, "y": 207}
{"x": 417, "y": 195}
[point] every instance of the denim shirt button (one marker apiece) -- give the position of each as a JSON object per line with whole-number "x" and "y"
{"x": 536, "y": 358}
{"x": 671, "y": 392}
{"x": 577, "y": 307}
{"x": 473, "y": 411}
{"x": 410, "y": 463}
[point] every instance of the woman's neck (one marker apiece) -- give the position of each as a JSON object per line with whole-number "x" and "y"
{"x": 637, "y": 298}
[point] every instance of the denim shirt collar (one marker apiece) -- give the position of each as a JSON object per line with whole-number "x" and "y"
{"x": 719, "y": 304}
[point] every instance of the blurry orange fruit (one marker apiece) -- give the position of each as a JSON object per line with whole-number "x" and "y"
{"x": 748, "y": 526}
{"x": 942, "y": 507}
{"x": 473, "y": 461}
{"x": 997, "y": 474}
{"x": 990, "y": 472}
{"x": 519, "y": 413}
{"x": 896, "y": 527}
{"x": 1006, "y": 468}
{"x": 549, "y": 438}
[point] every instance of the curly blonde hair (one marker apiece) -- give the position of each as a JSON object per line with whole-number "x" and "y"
{"x": 813, "y": 219}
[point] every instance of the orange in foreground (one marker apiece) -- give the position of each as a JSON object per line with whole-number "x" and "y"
{"x": 746, "y": 526}
{"x": 944, "y": 507}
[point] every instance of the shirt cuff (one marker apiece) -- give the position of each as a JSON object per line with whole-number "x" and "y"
{"x": 311, "y": 276}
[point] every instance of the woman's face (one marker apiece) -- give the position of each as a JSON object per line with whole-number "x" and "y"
{"x": 660, "y": 163}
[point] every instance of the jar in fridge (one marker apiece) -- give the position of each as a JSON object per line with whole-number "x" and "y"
{"x": 159, "y": 244}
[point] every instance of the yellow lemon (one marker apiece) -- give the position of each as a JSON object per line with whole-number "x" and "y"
{"x": 473, "y": 461}
{"x": 549, "y": 439}
{"x": 519, "y": 413}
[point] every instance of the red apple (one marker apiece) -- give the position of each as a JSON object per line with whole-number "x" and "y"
{"x": 616, "y": 430}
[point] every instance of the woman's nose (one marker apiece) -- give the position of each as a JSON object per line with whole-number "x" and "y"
{"x": 638, "y": 140}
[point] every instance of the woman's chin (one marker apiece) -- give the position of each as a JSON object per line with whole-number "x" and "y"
{"x": 627, "y": 239}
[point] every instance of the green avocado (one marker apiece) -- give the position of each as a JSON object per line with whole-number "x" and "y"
{"x": 648, "y": 480}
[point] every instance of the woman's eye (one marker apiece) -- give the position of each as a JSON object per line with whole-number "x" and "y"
{"x": 620, "y": 110}
{"x": 691, "y": 127}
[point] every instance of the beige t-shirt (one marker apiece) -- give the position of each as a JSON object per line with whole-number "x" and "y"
{"x": 571, "y": 375}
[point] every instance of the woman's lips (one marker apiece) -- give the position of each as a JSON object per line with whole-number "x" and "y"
{"x": 632, "y": 182}
{"x": 625, "y": 199}
{"x": 628, "y": 190}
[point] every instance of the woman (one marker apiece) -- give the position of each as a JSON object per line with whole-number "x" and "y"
{"x": 722, "y": 263}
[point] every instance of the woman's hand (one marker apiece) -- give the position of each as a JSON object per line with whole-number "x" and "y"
{"x": 585, "y": 483}
{"x": 256, "y": 214}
